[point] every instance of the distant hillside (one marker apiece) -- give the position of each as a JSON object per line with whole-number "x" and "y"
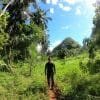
{"x": 68, "y": 47}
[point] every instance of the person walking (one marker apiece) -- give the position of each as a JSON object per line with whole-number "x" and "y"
{"x": 49, "y": 73}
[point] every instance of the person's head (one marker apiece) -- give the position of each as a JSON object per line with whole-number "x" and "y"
{"x": 49, "y": 59}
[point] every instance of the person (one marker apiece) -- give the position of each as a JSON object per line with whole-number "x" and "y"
{"x": 49, "y": 72}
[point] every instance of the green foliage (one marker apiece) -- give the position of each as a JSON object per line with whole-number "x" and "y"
{"x": 3, "y": 34}
{"x": 74, "y": 83}
{"x": 40, "y": 19}
{"x": 93, "y": 67}
{"x": 4, "y": 67}
{"x": 61, "y": 54}
{"x": 90, "y": 46}
{"x": 21, "y": 35}
{"x": 21, "y": 85}
{"x": 77, "y": 78}
{"x": 94, "y": 88}
{"x": 29, "y": 34}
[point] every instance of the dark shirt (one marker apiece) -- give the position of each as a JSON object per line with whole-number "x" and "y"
{"x": 49, "y": 68}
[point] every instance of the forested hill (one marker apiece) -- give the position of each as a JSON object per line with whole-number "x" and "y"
{"x": 68, "y": 46}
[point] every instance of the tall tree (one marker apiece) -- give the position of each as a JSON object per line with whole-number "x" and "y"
{"x": 20, "y": 34}
{"x": 90, "y": 46}
{"x": 41, "y": 19}
{"x": 96, "y": 28}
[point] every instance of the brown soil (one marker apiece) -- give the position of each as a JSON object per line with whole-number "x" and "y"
{"x": 54, "y": 94}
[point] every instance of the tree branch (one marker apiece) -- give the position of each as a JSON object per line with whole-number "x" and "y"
{"x": 10, "y": 2}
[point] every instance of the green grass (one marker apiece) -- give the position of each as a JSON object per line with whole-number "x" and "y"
{"x": 70, "y": 78}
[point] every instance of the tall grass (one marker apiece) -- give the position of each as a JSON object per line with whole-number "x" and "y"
{"x": 72, "y": 80}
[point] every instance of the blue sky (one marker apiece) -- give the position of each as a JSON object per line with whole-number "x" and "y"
{"x": 70, "y": 18}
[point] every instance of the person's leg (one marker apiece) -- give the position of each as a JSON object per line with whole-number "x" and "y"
{"x": 52, "y": 81}
{"x": 48, "y": 79}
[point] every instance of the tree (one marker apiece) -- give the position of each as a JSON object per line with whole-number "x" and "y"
{"x": 96, "y": 28}
{"x": 89, "y": 43}
{"x": 21, "y": 35}
{"x": 40, "y": 18}
{"x": 61, "y": 54}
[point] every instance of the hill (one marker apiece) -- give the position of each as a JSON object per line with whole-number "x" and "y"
{"x": 68, "y": 47}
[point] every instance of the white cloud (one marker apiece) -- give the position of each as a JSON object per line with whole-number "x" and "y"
{"x": 48, "y": 1}
{"x": 65, "y": 8}
{"x": 50, "y": 48}
{"x": 51, "y": 10}
{"x": 78, "y": 11}
{"x": 60, "y": 5}
{"x": 88, "y": 8}
{"x": 89, "y": 3}
{"x": 57, "y": 42}
{"x": 65, "y": 27}
{"x": 54, "y": 2}
{"x": 70, "y": 1}
{"x": 86, "y": 5}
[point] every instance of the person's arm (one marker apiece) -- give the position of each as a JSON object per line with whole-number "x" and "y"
{"x": 45, "y": 69}
{"x": 54, "y": 68}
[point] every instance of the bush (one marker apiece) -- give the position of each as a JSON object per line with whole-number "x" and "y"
{"x": 93, "y": 66}
{"x": 4, "y": 67}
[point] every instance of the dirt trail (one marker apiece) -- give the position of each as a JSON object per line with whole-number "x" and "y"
{"x": 54, "y": 94}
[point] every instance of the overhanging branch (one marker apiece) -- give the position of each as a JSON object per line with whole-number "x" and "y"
{"x": 4, "y": 10}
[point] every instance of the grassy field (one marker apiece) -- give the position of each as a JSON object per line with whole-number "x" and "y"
{"x": 73, "y": 81}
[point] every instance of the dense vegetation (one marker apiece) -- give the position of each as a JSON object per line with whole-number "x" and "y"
{"x": 22, "y": 67}
{"x": 75, "y": 79}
